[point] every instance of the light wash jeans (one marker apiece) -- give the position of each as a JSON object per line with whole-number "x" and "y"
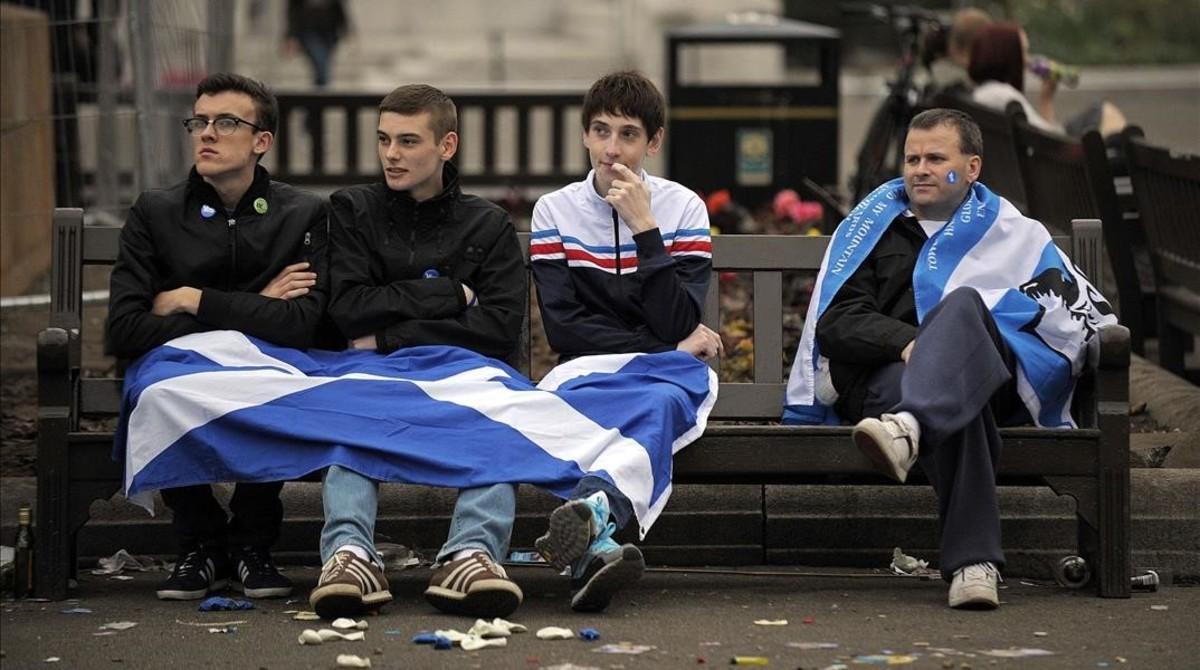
{"x": 483, "y": 517}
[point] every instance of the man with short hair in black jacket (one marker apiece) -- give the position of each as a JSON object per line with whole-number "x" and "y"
{"x": 417, "y": 262}
{"x": 226, "y": 249}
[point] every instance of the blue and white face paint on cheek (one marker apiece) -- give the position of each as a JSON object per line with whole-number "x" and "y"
{"x": 952, "y": 177}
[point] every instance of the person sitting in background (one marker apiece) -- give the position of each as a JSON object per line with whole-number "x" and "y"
{"x": 998, "y": 61}
{"x": 950, "y": 73}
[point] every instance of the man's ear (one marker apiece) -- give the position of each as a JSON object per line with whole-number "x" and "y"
{"x": 974, "y": 166}
{"x": 656, "y": 142}
{"x": 449, "y": 145}
{"x": 263, "y": 142}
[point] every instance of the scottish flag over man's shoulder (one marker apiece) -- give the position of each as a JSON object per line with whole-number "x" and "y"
{"x": 1045, "y": 308}
{"x": 223, "y": 406}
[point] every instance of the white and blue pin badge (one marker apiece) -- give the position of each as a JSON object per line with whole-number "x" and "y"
{"x": 207, "y": 212}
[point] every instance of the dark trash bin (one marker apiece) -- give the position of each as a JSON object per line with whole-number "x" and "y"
{"x": 753, "y": 106}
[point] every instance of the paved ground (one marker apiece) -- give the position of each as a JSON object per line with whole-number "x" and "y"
{"x": 691, "y": 619}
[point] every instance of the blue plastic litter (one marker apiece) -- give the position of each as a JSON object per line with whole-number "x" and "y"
{"x": 426, "y": 638}
{"x": 220, "y": 604}
{"x": 76, "y": 610}
{"x": 589, "y": 634}
{"x": 440, "y": 642}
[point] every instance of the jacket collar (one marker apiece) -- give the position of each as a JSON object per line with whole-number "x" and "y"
{"x": 404, "y": 210}
{"x": 207, "y": 195}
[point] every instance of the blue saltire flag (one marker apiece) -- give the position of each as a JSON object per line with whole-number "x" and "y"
{"x": 225, "y": 407}
{"x": 1045, "y": 308}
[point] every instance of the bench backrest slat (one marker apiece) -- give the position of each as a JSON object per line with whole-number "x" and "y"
{"x": 767, "y": 258}
{"x": 1167, "y": 187}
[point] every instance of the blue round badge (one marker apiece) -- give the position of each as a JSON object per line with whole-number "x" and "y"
{"x": 207, "y": 212}
{"x": 432, "y": 273}
{"x": 952, "y": 176}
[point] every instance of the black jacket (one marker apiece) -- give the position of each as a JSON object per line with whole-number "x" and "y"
{"x": 398, "y": 267}
{"x": 873, "y": 316}
{"x": 168, "y": 242}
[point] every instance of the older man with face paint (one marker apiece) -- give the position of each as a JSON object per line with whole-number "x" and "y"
{"x": 932, "y": 393}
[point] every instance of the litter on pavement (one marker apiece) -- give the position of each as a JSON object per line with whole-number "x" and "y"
{"x": 352, "y": 661}
{"x": 344, "y": 623}
{"x": 118, "y": 625}
{"x": 624, "y": 648}
{"x": 314, "y": 637}
{"x": 397, "y": 557}
{"x": 495, "y": 628}
{"x": 812, "y": 645}
{"x": 473, "y": 642}
{"x": 555, "y": 633}
{"x": 123, "y": 560}
{"x": 903, "y": 564}
{"x": 304, "y": 616}
{"x": 885, "y": 659}
{"x": 771, "y": 622}
{"x": 205, "y": 624}
{"x": 76, "y": 610}
{"x": 589, "y": 634}
{"x": 1016, "y": 653}
{"x": 222, "y": 604}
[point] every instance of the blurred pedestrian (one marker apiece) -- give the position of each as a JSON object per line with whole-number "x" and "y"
{"x": 316, "y": 27}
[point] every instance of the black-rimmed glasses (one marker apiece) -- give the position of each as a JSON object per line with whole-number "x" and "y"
{"x": 224, "y": 125}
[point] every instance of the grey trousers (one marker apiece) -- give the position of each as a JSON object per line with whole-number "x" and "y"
{"x": 960, "y": 384}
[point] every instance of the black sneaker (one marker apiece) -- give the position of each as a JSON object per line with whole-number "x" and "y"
{"x": 255, "y": 575}
{"x": 197, "y": 573}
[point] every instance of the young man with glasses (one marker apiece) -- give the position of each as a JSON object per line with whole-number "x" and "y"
{"x": 225, "y": 249}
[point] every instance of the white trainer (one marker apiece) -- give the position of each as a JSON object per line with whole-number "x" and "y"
{"x": 889, "y": 443}
{"x": 974, "y": 587}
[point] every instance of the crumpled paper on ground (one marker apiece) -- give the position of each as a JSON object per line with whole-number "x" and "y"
{"x": 903, "y": 564}
{"x": 123, "y": 560}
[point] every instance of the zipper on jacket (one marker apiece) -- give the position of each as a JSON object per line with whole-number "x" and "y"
{"x": 231, "y": 224}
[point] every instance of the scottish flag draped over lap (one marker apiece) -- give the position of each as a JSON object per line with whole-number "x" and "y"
{"x": 1045, "y": 308}
{"x": 222, "y": 406}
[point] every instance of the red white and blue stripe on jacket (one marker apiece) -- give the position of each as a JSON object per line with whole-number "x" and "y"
{"x": 604, "y": 290}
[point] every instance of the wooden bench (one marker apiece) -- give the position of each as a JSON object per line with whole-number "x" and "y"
{"x": 1167, "y": 187}
{"x": 1066, "y": 178}
{"x": 743, "y": 444}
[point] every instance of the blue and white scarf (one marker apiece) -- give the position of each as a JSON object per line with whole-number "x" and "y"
{"x": 1045, "y": 308}
{"x": 225, "y": 407}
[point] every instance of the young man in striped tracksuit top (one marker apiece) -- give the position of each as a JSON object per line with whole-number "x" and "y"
{"x": 621, "y": 261}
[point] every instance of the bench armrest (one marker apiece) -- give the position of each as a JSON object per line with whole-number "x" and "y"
{"x": 1114, "y": 348}
{"x": 58, "y": 352}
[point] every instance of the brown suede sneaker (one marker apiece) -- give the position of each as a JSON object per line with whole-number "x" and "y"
{"x": 474, "y": 586}
{"x": 348, "y": 587}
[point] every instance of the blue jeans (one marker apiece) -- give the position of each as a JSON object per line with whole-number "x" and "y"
{"x": 483, "y": 517}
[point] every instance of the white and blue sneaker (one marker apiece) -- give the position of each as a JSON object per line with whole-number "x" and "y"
{"x": 580, "y": 537}
{"x": 573, "y": 527}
